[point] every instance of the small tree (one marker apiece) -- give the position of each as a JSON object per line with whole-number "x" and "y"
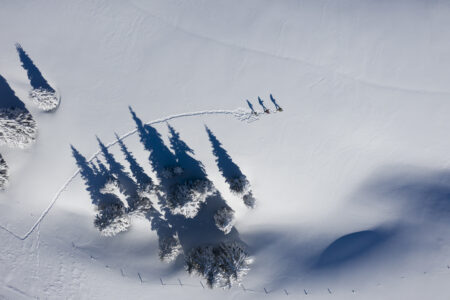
{"x": 3, "y": 173}
{"x": 221, "y": 265}
{"x": 224, "y": 219}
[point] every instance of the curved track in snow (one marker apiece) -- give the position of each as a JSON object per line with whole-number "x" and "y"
{"x": 241, "y": 114}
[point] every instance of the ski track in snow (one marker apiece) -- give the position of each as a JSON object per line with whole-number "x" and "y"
{"x": 241, "y": 114}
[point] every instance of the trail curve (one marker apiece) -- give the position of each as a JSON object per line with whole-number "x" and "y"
{"x": 240, "y": 114}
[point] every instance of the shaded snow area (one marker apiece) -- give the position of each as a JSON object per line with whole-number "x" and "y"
{"x": 224, "y": 149}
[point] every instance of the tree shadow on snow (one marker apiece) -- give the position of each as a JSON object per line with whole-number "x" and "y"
{"x": 194, "y": 208}
{"x": 37, "y": 81}
{"x": 277, "y": 107}
{"x": 188, "y": 213}
{"x": 236, "y": 180}
{"x": 8, "y": 98}
{"x": 110, "y": 217}
{"x": 261, "y": 102}
{"x": 250, "y": 105}
{"x": 42, "y": 94}
{"x": 178, "y": 172}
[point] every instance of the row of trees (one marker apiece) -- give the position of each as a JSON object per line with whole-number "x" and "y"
{"x": 18, "y": 129}
{"x": 187, "y": 212}
{"x": 17, "y": 126}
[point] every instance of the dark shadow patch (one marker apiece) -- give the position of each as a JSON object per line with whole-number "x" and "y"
{"x": 351, "y": 247}
{"x": 226, "y": 166}
{"x": 161, "y": 159}
{"x": 236, "y": 180}
{"x": 143, "y": 180}
{"x": 37, "y": 81}
{"x": 195, "y": 210}
{"x": 192, "y": 168}
{"x": 8, "y": 98}
{"x": 261, "y": 102}
{"x": 95, "y": 178}
{"x": 277, "y": 107}
{"x": 111, "y": 217}
{"x": 417, "y": 194}
{"x": 250, "y": 105}
{"x": 124, "y": 182}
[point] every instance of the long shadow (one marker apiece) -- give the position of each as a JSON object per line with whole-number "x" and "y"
{"x": 277, "y": 107}
{"x": 193, "y": 207}
{"x": 37, "y": 81}
{"x": 224, "y": 162}
{"x": 95, "y": 179}
{"x": 237, "y": 181}
{"x": 110, "y": 208}
{"x": 126, "y": 184}
{"x": 211, "y": 245}
{"x": 8, "y": 98}
{"x": 143, "y": 180}
{"x": 192, "y": 168}
{"x": 192, "y": 217}
{"x": 250, "y": 105}
{"x": 261, "y": 102}
{"x": 164, "y": 164}
{"x": 161, "y": 158}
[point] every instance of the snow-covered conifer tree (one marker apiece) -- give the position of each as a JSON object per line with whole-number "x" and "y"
{"x": 3, "y": 173}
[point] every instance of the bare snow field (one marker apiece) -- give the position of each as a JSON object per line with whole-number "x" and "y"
{"x": 137, "y": 160}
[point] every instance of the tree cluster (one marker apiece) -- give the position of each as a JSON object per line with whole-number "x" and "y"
{"x": 186, "y": 211}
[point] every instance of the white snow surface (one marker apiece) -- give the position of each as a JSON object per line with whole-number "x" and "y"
{"x": 351, "y": 179}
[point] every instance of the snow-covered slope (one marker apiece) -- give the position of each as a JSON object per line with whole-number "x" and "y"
{"x": 351, "y": 179}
